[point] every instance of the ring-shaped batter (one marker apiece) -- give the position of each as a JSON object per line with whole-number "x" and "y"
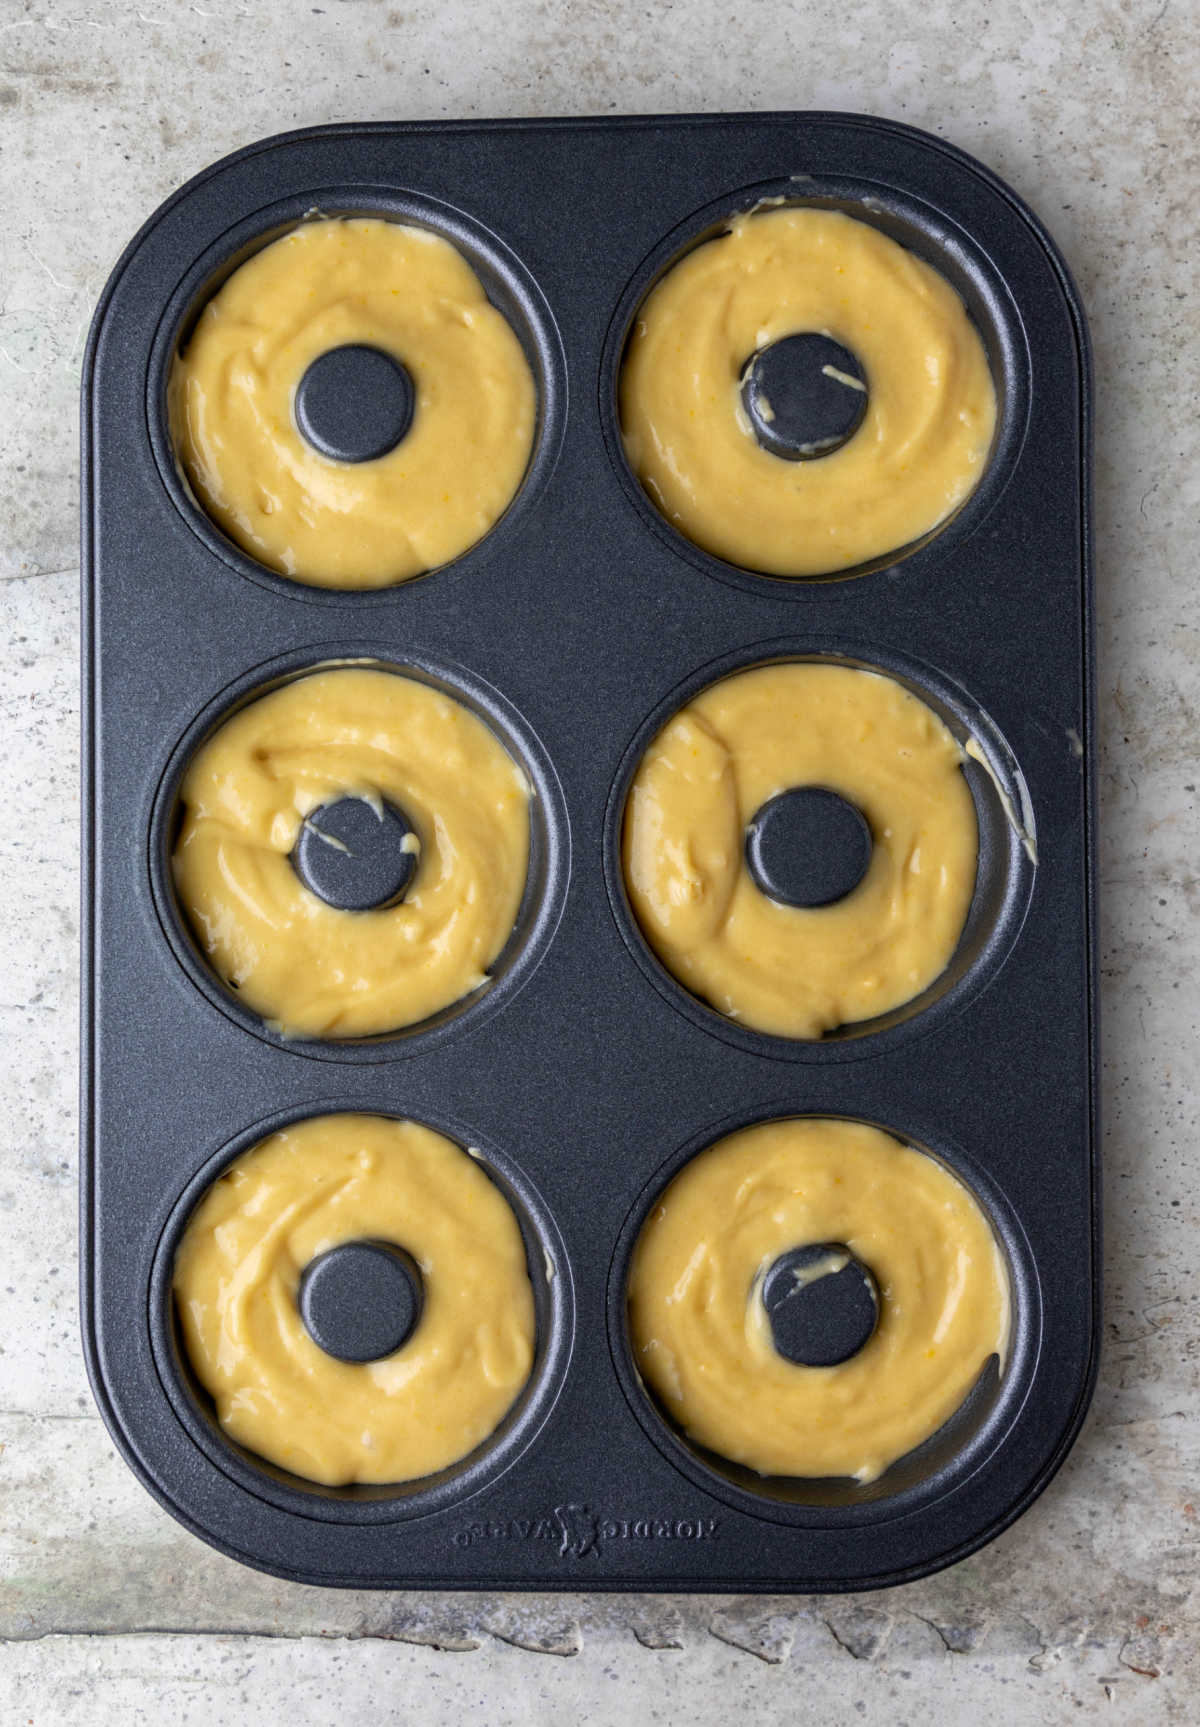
{"x": 308, "y": 967}
{"x": 796, "y": 971}
{"x": 931, "y": 404}
{"x": 329, "y": 284}
{"x": 701, "y": 1337}
{"x": 311, "y": 1187}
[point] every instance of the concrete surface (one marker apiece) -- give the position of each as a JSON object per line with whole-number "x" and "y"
{"x": 109, "y": 1611}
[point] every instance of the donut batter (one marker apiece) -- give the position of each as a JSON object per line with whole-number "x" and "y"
{"x": 326, "y": 285}
{"x": 798, "y": 971}
{"x": 930, "y": 414}
{"x": 313, "y": 969}
{"x": 325, "y": 1181}
{"x": 701, "y": 1337}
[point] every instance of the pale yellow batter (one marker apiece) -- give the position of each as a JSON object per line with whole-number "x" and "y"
{"x": 366, "y": 524}
{"x": 801, "y": 971}
{"x": 931, "y": 407}
{"x": 352, "y": 731}
{"x": 334, "y": 1179}
{"x": 701, "y": 1338}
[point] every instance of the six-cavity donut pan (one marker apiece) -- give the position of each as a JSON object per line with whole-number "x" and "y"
{"x": 583, "y": 1075}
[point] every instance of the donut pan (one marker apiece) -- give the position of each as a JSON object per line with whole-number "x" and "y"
{"x": 583, "y": 1075}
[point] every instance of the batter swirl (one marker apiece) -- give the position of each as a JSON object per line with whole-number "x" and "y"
{"x": 931, "y": 406}
{"x": 312, "y": 1187}
{"x": 341, "y": 283}
{"x": 800, "y": 971}
{"x": 311, "y": 968}
{"x": 700, "y": 1335}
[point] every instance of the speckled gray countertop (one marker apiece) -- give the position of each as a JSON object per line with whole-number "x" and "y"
{"x": 109, "y": 1612}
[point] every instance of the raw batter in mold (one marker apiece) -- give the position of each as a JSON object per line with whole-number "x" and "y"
{"x": 701, "y": 1337}
{"x": 798, "y": 971}
{"x": 326, "y": 1181}
{"x": 331, "y": 284}
{"x": 352, "y": 731}
{"x": 931, "y": 404}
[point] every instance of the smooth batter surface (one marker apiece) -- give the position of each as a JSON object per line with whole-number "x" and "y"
{"x": 931, "y": 408}
{"x": 313, "y": 969}
{"x": 333, "y": 1179}
{"x": 701, "y": 1337}
{"x": 800, "y": 971}
{"x": 353, "y": 524}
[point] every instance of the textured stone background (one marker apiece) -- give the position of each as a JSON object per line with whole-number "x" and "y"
{"x": 111, "y": 1613}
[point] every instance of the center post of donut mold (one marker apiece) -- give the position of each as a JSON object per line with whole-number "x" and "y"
{"x": 822, "y": 1304}
{"x": 804, "y": 396}
{"x": 354, "y": 403}
{"x": 808, "y": 846}
{"x": 362, "y": 1300}
{"x": 357, "y": 856}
